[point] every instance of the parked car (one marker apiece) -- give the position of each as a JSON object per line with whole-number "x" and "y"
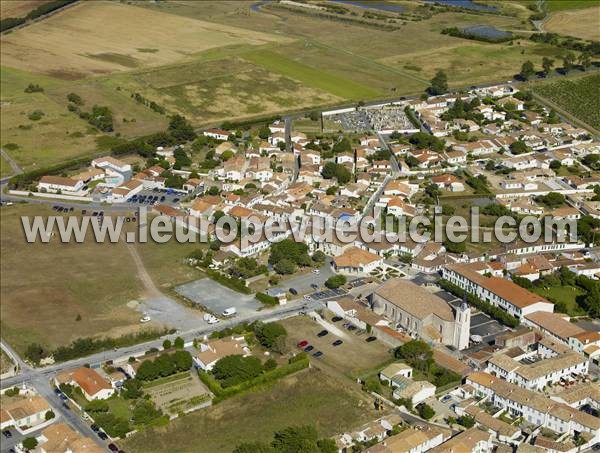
{"x": 446, "y": 398}
{"x": 337, "y": 342}
{"x": 351, "y": 327}
{"x": 322, "y": 333}
{"x": 309, "y": 348}
{"x": 303, "y": 344}
{"x": 314, "y": 285}
{"x": 294, "y": 291}
{"x": 336, "y": 318}
{"x": 316, "y": 271}
{"x": 102, "y": 435}
{"x": 6, "y": 433}
{"x": 95, "y": 428}
{"x": 370, "y": 339}
{"x": 113, "y": 447}
{"x": 317, "y": 354}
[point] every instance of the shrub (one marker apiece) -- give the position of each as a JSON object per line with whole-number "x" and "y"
{"x": 335, "y": 281}
{"x": 425, "y": 411}
{"x": 266, "y": 299}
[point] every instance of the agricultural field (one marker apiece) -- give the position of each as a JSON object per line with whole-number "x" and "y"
{"x": 576, "y": 96}
{"x": 178, "y": 392}
{"x": 314, "y": 397}
{"x": 46, "y": 286}
{"x": 68, "y": 46}
{"x": 581, "y": 23}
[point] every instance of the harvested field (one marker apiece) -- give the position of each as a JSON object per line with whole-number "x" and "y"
{"x": 177, "y": 393}
{"x": 103, "y": 37}
{"x": 581, "y": 23}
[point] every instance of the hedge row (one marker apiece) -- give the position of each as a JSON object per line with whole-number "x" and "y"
{"x": 266, "y": 299}
{"x": 496, "y": 313}
{"x": 25, "y": 179}
{"x": 270, "y": 376}
{"x": 233, "y": 283}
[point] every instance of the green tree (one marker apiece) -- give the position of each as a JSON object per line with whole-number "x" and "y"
{"x": 342, "y": 145}
{"x": 284, "y": 267}
{"x": 234, "y": 369}
{"x": 439, "y": 83}
{"x": 179, "y": 343}
{"x": 253, "y": 447}
{"x": 425, "y": 411}
{"x": 29, "y": 443}
{"x": 527, "y": 70}
{"x": 335, "y": 281}
{"x": 97, "y": 406}
{"x": 454, "y": 247}
{"x": 49, "y": 415}
{"x": 145, "y": 412}
{"x": 319, "y": 257}
{"x": 416, "y": 353}
{"x": 132, "y": 389}
{"x": 568, "y": 61}
{"x": 264, "y": 132}
{"x": 547, "y": 64}
{"x": 268, "y": 334}
{"x": 466, "y": 420}
{"x": 585, "y": 60}
{"x": 270, "y": 364}
{"x": 519, "y": 147}
{"x": 166, "y": 344}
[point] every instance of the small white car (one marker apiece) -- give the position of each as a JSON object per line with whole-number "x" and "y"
{"x": 316, "y": 271}
{"x": 228, "y": 312}
{"x": 145, "y": 318}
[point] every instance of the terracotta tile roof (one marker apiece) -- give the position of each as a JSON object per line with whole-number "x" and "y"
{"x": 90, "y": 381}
{"x": 354, "y": 257}
{"x": 555, "y": 324}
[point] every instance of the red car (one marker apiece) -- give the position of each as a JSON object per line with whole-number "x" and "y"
{"x": 302, "y": 344}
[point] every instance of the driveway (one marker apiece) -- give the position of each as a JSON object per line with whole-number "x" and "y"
{"x": 216, "y": 297}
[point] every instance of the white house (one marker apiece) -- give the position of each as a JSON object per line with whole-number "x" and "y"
{"x": 55, "y": 184}
{"x": 218, "y": 134}
{"x": 214, "y": 350}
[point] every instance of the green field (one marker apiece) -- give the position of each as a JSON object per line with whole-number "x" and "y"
{"x": 308, "y": 397}
{"x": 578, "y": 96}
{"x": 313, "y": 77}
{"x": 561, "y": 5}
{"x": 565, "y": 297}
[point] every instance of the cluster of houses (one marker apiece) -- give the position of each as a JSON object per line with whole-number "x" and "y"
{"x": 31, "y": 416}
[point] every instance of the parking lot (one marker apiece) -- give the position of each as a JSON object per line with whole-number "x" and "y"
{"x": 354, "y": 356}
{"x": 216, "y": 297}
{"x": 308, "y": 282}
{"x": 156, "y": 196}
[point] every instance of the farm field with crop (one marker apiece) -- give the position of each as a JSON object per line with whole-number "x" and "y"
{"x": 19, "y": 8}
{"x": 562, "y": 5}
{"x": 577, "y": 96}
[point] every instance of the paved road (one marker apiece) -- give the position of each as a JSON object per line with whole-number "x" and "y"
{"x": 281, "y": 312}
{"x": 16, "y": 170}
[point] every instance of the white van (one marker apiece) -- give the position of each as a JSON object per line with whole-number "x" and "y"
{"x": 228, "y": 312}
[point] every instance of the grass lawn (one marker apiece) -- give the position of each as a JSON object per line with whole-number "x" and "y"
{"x": 565, "y": 298}
{"x": 306, "y": 397}
{"x": 5, "y": 362}
{"x": 45, "y": 286}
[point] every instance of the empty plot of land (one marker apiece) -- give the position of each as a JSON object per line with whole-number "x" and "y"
{"x": 581, "y": 23}
{"x": 308, "y": 397}
{"x": 54, "y": 293}
{"x": 103, "y": 37}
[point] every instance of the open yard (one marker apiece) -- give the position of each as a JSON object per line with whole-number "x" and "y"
{"x": 581, "y": 23}
{"x": 102, "y": 37}
{"x": 354, "y": 357}
{"x": 45, "y": 287}
{"x": 306, "y": 397}
{"x": 565, "y": 298}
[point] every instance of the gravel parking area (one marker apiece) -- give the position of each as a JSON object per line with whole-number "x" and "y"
{"x": 216, "y": 297}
